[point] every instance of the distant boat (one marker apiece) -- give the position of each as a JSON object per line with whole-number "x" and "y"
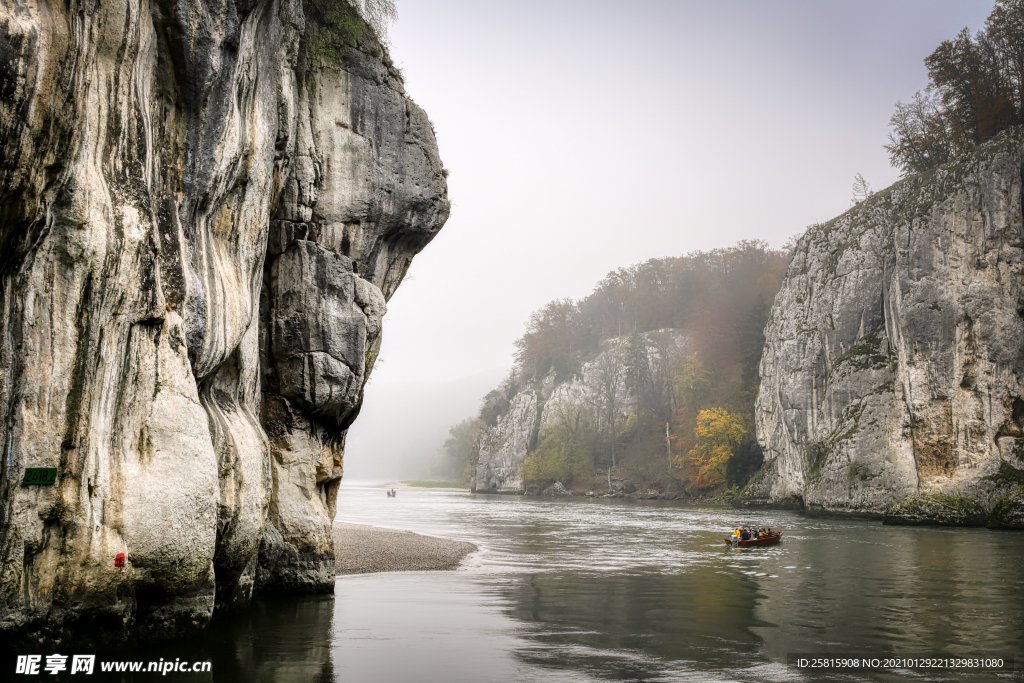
{"x": 768, "y": 539}
{"x": 392, "y": 493}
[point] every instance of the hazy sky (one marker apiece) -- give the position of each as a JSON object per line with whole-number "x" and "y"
{"x": 585, "y": 135}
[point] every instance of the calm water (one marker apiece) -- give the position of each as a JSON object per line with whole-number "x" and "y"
{"x": 594, "y": 591}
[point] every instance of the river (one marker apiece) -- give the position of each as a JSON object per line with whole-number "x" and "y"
{"x": 594, "y": 590}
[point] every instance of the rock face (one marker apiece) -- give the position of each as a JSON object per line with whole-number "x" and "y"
{"x": 893, "y": 362}
{"x": 536, "y": 406}
{"x": 203, "y": 208}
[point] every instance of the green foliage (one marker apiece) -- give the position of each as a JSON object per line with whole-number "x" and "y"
{"x": 334, "y": 24}
{"x": 565, "y": 451}
{"x": 816, "y": 454}
{"x": 1007, "y": 475}
{"x": 936, "y": 509}
{"x": 718, "y": 300}
{"x": 857, "y": 471}
{"x": 496, "y": 403}
{"x": 975, "y": 91}
{"x": 865, "y": 353}
{"x": 461, "y": 450}
{"x": 745, "y": 462}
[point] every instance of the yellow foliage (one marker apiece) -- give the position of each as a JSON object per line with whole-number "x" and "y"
{"x": 718, "y": 432}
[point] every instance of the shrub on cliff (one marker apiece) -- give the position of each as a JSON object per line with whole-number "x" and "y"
{"x": 333, "y": 24}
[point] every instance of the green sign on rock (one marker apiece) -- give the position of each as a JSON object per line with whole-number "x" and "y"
{"x": 39, "y": 476}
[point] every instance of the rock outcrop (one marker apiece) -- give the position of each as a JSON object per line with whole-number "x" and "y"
{"x": 599, "y": 388}
{"x": 893, "y": 365}
{"x": 204, "y": 206}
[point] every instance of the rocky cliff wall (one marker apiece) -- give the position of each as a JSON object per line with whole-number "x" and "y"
{"x": 538, "y": 404}
{"x": 894, "y": 353}
{"x": 204, "y": 206}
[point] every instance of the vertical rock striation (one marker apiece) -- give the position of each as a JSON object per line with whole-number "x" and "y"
{"x": 204, "y": 206}
{"x": 534, "y": 408}
{"x": 893, "y": 363}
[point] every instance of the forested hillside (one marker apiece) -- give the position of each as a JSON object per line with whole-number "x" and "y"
{"x": 650, "y": 380}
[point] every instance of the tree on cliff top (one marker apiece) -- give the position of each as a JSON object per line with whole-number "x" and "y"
{"x": 975, "y": 91}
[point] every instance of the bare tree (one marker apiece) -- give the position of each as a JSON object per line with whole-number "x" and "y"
{"x": 607, "y": 395}
{"x": 861, "y": 189}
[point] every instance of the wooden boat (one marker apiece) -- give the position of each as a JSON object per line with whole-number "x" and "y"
{"x": 770, "y": 539}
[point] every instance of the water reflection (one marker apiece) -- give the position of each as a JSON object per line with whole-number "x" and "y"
{"x": 276, "y": 640}
{"x": 579, "y": 621}
{"x": 285, "y": 640}
{"x": 580, "y": 591}
{"x": 620, "y": 591}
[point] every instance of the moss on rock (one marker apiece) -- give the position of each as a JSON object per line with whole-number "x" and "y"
{"x": 333, "y": 25}
{"x": 936, "y": 509}
{"x": 1009, "y": 511}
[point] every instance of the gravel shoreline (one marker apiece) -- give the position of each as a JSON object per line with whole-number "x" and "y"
{"x": 359, "y": 549}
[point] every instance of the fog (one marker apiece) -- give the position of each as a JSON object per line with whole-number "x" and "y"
{"x": 582, "y": 136}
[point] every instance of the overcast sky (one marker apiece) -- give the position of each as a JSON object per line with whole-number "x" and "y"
{"x": 585, "y": 135}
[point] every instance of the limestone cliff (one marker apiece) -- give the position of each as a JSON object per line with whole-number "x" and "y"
{"x": 533, "y": 408}
{"x": 893, "y": 362}
{"x": 203, "y": 208}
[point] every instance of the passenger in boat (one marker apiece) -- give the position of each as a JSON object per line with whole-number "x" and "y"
{"x": 745, "y": 534}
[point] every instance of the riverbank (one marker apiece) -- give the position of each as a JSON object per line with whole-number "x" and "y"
{"x": 360, "y": 549}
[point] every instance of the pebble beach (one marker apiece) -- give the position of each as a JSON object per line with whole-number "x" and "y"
{"x": 360, "y": 549}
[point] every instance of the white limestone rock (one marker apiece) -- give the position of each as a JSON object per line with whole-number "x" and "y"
{"x": 892, "y": 363}
{"x": 201, "y": 218}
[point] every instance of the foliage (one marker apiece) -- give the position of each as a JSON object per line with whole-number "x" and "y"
{"x": 745, "y": 462}
{"x": 861, "y": 189}
{"x": 689, "y": 334}
{"x": 705, "y": 293}
{"x": 866, "y": 352}
{"x": 608, "y": 399}
{"x": 718, "y": 433}
{"x": 554, "y": 341}
{"x": 976, "y": 90}
{"x": 461, "y": 450}
{"x": 333, "y": 24}
{"x": 919, "y": 139}
{"x": 936, "y": 509}
{"x": 566, "y": 451}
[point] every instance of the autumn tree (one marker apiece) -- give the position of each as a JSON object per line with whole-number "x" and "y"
{"x": 920, "y": 138}
{"x": 714, "y": 304}
{"x": 718, "y": 432}
{"x": 555, "y": 339}
{"x": 975, "y": 91}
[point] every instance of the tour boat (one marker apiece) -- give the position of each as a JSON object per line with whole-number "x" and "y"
{"x": 769, "y": 539}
